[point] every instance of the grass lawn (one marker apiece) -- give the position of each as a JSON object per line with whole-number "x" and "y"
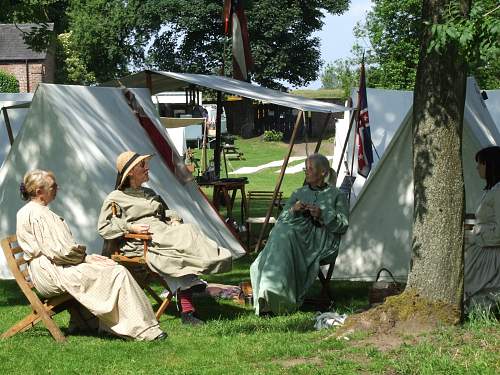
{"x": 235, "y": 341}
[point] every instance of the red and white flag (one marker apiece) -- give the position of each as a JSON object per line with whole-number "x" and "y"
{"x": 235, "y": 22}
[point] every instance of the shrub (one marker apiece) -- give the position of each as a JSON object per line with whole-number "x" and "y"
{"x": 8, "y": 82}
{"x": 273, "y": 136}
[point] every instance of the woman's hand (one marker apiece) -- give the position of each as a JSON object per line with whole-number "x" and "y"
{"x": 298, "y": 206}
{"x": 315, "y": 211}
{"x": 139, "y": 228}
{"x": 99, "y": 259}
{"x": 174, "y": 222}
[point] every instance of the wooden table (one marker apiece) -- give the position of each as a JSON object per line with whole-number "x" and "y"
{"x": 231, "y": 151}
{"x": 227, "y": 190}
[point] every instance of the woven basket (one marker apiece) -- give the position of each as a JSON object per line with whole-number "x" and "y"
{"x": 382, "y": 289}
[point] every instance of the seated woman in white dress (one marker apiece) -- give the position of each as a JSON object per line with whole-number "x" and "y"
{"x": 482, "y": 253}
{"x": 57, "y": 264}
{"x": 179, "y": 252}
{"x": 307, "y": 231}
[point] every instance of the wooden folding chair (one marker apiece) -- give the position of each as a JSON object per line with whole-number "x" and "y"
{"x": 263, "y": 198}
{"x": 138, "y": 266}
{"x": 40, "y": 311}
{"x": 325, "y": 279}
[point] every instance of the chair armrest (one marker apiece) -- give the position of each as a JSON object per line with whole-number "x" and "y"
{"x": 145, "y": 237}
{"x": 139, "y": 236}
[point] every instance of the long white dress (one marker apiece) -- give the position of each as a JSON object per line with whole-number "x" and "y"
{"x": 482, "y": 255}
{"x": 56, "y": 265}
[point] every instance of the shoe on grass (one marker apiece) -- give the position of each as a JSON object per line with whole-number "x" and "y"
{"x": 161, "y": 336}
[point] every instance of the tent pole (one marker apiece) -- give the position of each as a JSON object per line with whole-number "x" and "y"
{"x": 217, "y": 150}
{"x": 346, "y": 141}
{"x": 280, "y": 179}
{"x": 149, "y": 82}
{"x": 7, "y": 125}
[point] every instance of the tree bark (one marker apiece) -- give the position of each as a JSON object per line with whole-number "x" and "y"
{"x": 436, "y": 269}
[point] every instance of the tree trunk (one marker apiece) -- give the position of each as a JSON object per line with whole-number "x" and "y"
{"x": 436, "y": 269}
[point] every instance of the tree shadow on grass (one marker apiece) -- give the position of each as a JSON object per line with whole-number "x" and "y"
{"x": 10, "y": 294}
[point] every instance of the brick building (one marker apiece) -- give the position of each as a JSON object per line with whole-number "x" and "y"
{"x": 29, "y": 67}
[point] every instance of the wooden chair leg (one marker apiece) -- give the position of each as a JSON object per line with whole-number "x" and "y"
{"x": 164, "y": 306}
{"x": 30, "y": 321}
{"x": 21, "y": 326}
{"x": 54, "y": 330}
{"x": 153, "y": 294}
{"x": 325, "y": 282}
{"x": 249, "y": 228}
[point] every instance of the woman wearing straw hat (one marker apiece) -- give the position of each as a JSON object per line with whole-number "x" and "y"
{"x": 179, "y": 252}
{"x": 57, "y": 264}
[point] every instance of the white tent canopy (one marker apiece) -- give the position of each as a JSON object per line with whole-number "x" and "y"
{"x": 17, "y": 108}
{"x": 78, "y": 132}
{"x": 381, "y": 219}
{"x": 169, "y": 81}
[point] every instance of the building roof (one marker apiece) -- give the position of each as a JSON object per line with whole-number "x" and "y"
{"x": 13, "y": 46}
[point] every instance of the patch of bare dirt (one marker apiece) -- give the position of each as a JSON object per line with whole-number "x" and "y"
{"x": 292, "y": 362}
{"x": 400, "y": 319}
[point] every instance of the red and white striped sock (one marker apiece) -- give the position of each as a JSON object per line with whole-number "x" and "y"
{"x": 186, "y": 300}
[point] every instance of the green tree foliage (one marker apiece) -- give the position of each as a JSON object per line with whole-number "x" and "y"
{"x": 112, "y": 37}
{"x": 478, "y": 38}
{"x": 73, "y": 69}
{"x": 8, "y": 83}
{"x": 341, "y": 74}
{"x": 393, "y": 29}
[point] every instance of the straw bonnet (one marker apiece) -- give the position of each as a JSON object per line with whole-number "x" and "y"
{"x": 124, "y": 164}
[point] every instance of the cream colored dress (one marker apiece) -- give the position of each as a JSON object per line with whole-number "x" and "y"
{"x": 482, "y": 255}
{"x": 176, "y": 250}
{"x": 56, "y": 265}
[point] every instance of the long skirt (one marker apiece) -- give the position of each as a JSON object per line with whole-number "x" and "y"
{"x": 107, "y": 291}
{"x": 482, "y": 276}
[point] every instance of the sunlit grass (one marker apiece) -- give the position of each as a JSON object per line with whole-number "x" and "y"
{"x": 235, "y": 341}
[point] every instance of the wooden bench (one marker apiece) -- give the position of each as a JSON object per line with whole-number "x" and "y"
{"x": 261, "y": 198}
{"x": 41, "y": 311}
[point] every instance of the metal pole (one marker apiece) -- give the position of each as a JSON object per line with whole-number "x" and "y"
{"x": 217, "y": 150}
{"x": 7, "y": 125}
{"x": 149, "y": 82}
{"x": 280, "y": 179}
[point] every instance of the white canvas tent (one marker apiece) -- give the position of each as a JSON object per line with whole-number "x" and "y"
{"x": 16, "y": 107}
{"x": 77, "y": 132}
{"x": 493, "y": 105}
{"x": 380, "y": 227}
